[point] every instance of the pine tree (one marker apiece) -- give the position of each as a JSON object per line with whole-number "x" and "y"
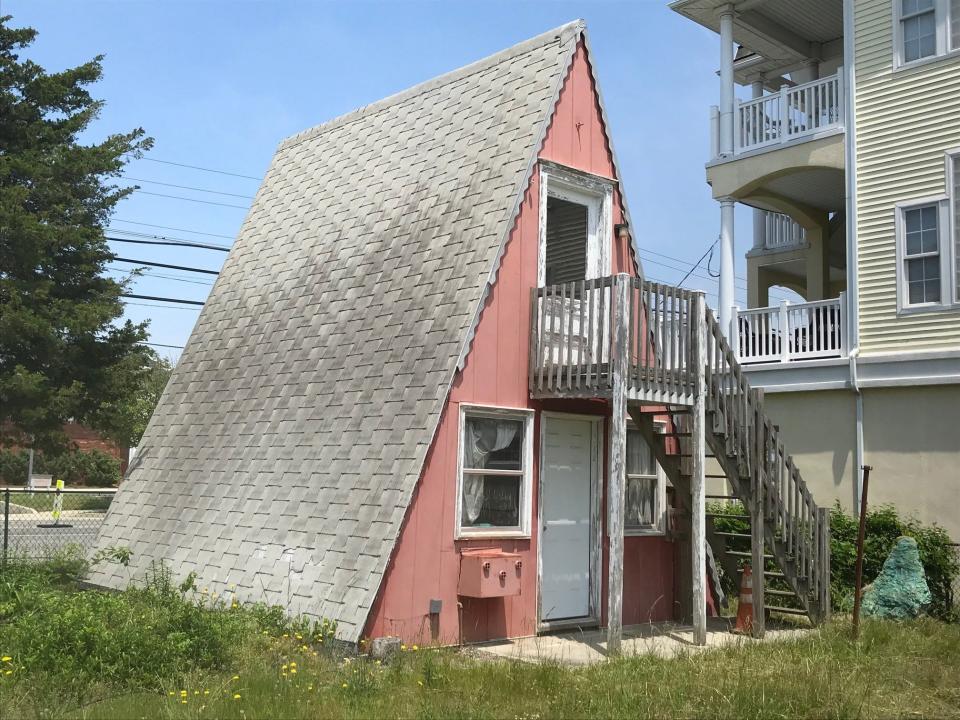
{"x": 64, "y": 355}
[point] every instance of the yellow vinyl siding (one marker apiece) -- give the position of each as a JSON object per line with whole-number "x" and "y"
{"x": 905, "y": 121}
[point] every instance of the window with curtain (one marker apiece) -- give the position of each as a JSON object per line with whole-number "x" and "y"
{"x": 494, "y": 474}
{"x": 643, "y": 499}
{"x": 921, "y": 254}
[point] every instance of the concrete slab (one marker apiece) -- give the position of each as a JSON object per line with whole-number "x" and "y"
{"x": 585, "y": 647}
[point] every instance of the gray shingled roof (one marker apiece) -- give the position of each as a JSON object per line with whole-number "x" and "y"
{"x": 284, "y": 452}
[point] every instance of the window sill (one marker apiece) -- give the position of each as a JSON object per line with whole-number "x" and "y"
{"x": 923, "y": 62}
{"x": 492, "y": 534}
{"x": 925, "y": 309}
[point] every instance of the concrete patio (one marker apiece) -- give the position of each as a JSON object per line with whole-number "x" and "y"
{"x": 585, "y": 647}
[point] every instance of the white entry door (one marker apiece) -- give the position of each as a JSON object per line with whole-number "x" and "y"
{"x": 566, "y": 527}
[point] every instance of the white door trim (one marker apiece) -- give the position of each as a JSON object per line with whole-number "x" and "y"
{"x": 596, "y": 531}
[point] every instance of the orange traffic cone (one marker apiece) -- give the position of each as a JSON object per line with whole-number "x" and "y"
{"x": 745, "y": 609}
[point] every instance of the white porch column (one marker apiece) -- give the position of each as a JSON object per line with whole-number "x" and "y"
{"x": 726, "y": 263}
{"x": 726, "y": 80}
{"x": 759, "y": 216}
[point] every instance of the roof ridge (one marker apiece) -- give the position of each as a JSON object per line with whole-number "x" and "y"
{"x": 572, "y": 28}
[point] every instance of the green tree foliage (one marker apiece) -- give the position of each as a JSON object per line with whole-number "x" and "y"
{"x": 124, "y": 417}
{"x": 62, "y": 353}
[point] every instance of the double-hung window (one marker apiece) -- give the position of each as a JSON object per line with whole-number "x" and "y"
{"x": 921, "y": 254}
{"x": 928, "y": 247}
{"x": 645, "y": 495}
{"x": 926, "y": 29}
{"x": 494, "y": 479}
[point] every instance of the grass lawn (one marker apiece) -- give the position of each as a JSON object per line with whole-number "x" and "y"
{"x": 161, "y": 652}
{"x": 43, "y": 501}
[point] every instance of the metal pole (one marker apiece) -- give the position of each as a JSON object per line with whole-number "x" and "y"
{"x": 861, "y": 532}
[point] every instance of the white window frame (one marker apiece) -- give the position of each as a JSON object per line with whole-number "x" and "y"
{"x": 526, "y": 473}
{"x": 596, "y": 193}
{"x": 660, "y": 527}
{"x": 904, "y": 306}
{"x": 942, "y": 10}
{"x": 952, "y": 162}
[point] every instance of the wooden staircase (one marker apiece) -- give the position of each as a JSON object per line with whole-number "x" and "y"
{"x": 789, "y": 536}
{"x": 658, "y": 352}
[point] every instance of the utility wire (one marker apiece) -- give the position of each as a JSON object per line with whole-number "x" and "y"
{"x": 162, "y": 299}
{"x": 204, "y": 169}
{"x": 165, "y": 307}
{"x": 152, "y": 344}
{"x": 167, "y": 227}
{"x": 180, "y": 197}
{"x": 188, "y": 187}
{"x": 151, "y": 274}
{"x": 164, "y": 265}
{"x": 169, "y": 241}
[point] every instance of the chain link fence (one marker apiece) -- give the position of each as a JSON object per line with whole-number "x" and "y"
{"x": 40, "y": 524}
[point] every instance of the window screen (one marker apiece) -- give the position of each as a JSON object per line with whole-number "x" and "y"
{"x": 918, "y": 20}
{"x": 566, "y": 259}
{"x": 922, "y": 254}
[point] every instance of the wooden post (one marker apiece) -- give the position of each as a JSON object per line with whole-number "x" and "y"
{"x": 698, "y": 488}
{"x": 619, "y": 367}
{"x": 861, "y": 536}
{"x": 756, "y": 518}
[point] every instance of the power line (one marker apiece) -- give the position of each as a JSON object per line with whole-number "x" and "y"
{"x": 188, "y": 187}
{"x": 165, "y": 307}
{"x": 204, "y": 169}
{"x": 162, "y": 299}
{"x": 167, "y": 227}
{"x": 151, "y": 274}
{"x": 164, "y": 265}
{"x": 180, "y": 197}
{"x": 152, "y": 344}
{"x": 170, "y": 241}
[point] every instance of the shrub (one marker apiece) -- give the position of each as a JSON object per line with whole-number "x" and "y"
{"x": 884, "y": 526}
{"x": 93, "y": 469}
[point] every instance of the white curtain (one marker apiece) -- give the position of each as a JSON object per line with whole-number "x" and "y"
{"x": 482, "y": 436}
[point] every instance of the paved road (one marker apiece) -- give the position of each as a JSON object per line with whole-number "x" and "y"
{"x": 27, "y": 539}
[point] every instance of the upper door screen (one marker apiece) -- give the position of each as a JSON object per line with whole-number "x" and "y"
{"x": 567, "y": 237}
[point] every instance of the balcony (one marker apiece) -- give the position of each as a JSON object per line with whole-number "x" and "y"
{"x": 780, "y": 232}
{"x": 791, "y": 332}
{"x": 792, "y": 114}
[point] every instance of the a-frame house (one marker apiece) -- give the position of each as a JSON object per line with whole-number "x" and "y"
{"x": 431, "y": 395}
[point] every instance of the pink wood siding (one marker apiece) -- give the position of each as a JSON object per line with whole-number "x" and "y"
{"x": 426, "y": 561}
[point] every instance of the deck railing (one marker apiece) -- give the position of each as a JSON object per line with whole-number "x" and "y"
{"x": 803, "y": 331}
{"x": 570, "y": 348}
{"x": 791, "y": 113}
{"x": 781, "y": 231}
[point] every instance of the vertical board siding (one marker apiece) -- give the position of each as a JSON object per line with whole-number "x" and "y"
{"x": 905, "y": 121}
{"x": 426, "y": 561}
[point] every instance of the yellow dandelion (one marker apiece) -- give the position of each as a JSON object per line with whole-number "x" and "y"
{"x": 235, "y": 677}
{"x": 344, "y": 685}
{"x": 309, "y": 688}
{"x": 206, "y": 692}
{"x": 6, "y": 658}
{"x": 414, "y": 648}
{"x": 299, "y": 636}
{"x": 293, "y": 671}
{"x": 183, "y": 693}
{"x": 403, "y": 647}
{"x": 171, "y": 693}
{"x": 236, "y": 696}
{"x": 196, "y": 692}
{"x": 293, "y": 663}
{"x": 183, "y": 702}
{"x": 8, "y": 672}
{"x": 376, "y": 662}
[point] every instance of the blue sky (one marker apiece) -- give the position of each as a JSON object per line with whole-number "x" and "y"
{"x": 218, "y": 84}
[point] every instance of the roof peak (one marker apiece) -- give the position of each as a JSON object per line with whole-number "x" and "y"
{"x": 558, "y": 34}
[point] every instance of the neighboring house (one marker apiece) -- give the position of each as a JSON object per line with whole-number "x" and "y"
{"x": 848, "y": 147}
{"x": 404, "y": 406}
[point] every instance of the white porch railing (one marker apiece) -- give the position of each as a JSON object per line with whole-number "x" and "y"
{"x": 791, "y": 113}
{"x": 789, "y": 332}
{"x": 780, "y": 231}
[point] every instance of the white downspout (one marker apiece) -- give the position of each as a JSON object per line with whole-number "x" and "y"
{"x": 852, "y": 295}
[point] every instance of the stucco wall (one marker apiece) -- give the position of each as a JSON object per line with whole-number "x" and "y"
{"x": 911, "y": 439}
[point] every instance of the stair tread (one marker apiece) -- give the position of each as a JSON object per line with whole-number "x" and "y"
{"x": 786, "y": 610}
{"x": 728, "y": 515}
{"x": 744, "y": 553}
{"x": 733, "y": 534}
{"x": 779, "y": 593}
